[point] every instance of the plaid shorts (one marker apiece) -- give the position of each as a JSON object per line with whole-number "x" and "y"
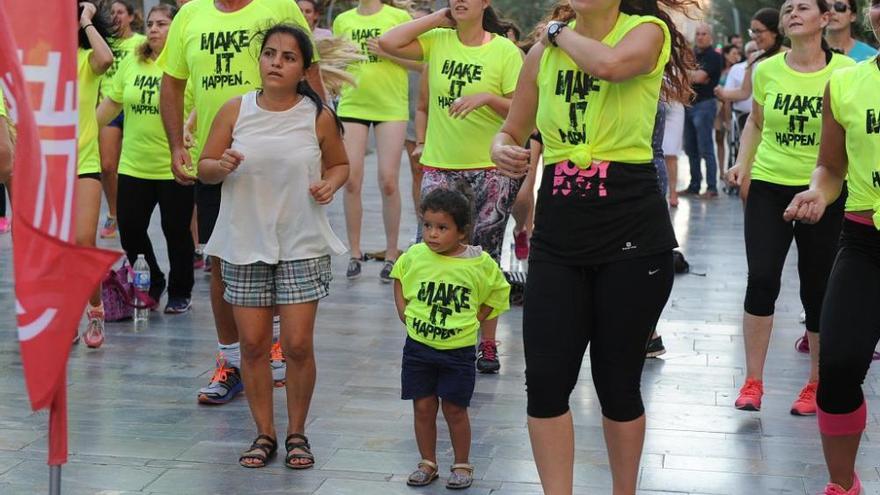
{"x": 289, "y": 282}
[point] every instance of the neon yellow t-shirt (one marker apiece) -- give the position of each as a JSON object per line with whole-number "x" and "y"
{"x": 444, "y": 295}
{"x": 88, "y": 161}
{"x": 582, "y": 118}
{"x": 792, "y": 103}
{"x": 456, "y": 70}
{"x": 121, "y": 49}
{"x": 145, "y": 153}
{"x": 382, "y": 92}
{"x": 213, "y": 50}
{"x": 2, "y": 105}
{"x": 856, "y": 108}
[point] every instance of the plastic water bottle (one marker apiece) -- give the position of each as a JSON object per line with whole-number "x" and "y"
{"x": 141, "y": 283}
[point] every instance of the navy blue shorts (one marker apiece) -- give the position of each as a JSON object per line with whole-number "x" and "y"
{"x": 448, "y": 374}
{"x": 117, "y": 122}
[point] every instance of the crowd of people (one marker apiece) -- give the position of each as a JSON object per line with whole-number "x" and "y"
{"x": 218, "y": 113}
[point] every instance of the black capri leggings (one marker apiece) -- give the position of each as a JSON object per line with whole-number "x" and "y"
{"x": 850, "y": 325}
{"x": 137, "y": 198}
{"x": 614, "y": 307}
{"x": 768, "y": 239}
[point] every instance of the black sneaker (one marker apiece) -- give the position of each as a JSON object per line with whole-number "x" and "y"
{"x": 385, "y": 274}
{"x": 655, "y": 348}
{"x": 178, "y": 305}
{"x": 354, "y": 269}
{"x": 487, "y": 357}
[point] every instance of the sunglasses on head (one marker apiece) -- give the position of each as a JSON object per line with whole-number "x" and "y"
{"x": 840, "y": 7}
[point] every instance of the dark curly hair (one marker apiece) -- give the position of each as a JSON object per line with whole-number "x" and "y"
{"x": 102, "y": 23}
{"x": 457, "y": 202}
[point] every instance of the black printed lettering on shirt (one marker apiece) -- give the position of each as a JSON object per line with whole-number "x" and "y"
{"x": 575, "y": 86}
{"x": 459, "y": 74}
{"x": 149, "y": 99}
{"x": 445, "y": 299}
{"x": 224, "y": 46}
{"x": 800, "y": 110}
{"x": 872, "y": 121}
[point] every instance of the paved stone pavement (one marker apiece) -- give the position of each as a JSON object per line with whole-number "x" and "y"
{"x": 135, "y": 426}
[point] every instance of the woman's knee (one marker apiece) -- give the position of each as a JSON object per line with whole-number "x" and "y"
{"x": 547, "y": 393}
{"x": 389, "y": 185}
{"x": 621, "y": 402}
{"x": 297, "y": 349}
{"x": 354, "y": 184}
{"x": 255, "y": 347}
{"x": 761, "y": 294}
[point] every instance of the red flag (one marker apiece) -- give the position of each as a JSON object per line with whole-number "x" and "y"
{"x": 53, "y": 277}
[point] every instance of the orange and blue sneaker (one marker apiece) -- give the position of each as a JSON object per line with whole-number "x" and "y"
{"x": 750, "y": 395}
{"x": 835, "y": 489}
{"x": 225, "y": 384}
{"x": 279, "y": 365}
{"x": 805, "y": 404}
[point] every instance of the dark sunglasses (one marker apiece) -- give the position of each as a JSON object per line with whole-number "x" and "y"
{"x": 840, "y": 7}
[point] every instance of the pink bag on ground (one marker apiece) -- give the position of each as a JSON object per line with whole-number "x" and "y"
{"x": 120, "y": 297}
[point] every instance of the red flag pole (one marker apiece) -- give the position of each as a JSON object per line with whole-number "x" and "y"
{"x": 58, "y": 435}
{"x": 55, "y": 480}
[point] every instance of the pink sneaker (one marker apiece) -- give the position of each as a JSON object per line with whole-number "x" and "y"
{"x": 108, "y": 231}
{"x": 835, "y": 489}
{"x": 802, "y": 344}
{"x": 5, "y": 225}
{"x": 750, "y": 395}
{"x": 521, "y": 245}
{"x": 94, "y": 334}
{"x": 805, "y": 404}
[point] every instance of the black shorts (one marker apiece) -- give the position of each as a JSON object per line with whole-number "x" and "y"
{"x": 208, "y": 209}
{"x": 91, "y": 175}
{"x": 448, "y": 374}
{"x": 352, "y": 120}
{"x": 118, "y": 121}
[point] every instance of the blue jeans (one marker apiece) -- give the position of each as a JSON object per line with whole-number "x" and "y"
{"x": 699, "y": 121}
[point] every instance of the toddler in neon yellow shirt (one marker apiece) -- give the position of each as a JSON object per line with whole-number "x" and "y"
{"x": 443, "y": 289}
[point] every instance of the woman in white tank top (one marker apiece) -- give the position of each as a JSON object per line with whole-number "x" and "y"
{"x": 279, "y": 153}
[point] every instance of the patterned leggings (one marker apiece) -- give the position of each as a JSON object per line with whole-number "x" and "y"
{"x": 494, "y": 195}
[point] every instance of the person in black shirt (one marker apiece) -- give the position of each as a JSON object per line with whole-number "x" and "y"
{"x": 700, "y": 116}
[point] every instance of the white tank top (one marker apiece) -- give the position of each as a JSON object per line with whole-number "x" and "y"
{"x": 266, "y": 212}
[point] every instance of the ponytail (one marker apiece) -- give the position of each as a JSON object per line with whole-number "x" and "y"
{"x": 494, "y": 24}
{"x": 305, "y": 89}
{"x": 676, "y": 86}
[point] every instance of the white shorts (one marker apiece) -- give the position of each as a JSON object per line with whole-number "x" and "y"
{"x": 673, "y": 133}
